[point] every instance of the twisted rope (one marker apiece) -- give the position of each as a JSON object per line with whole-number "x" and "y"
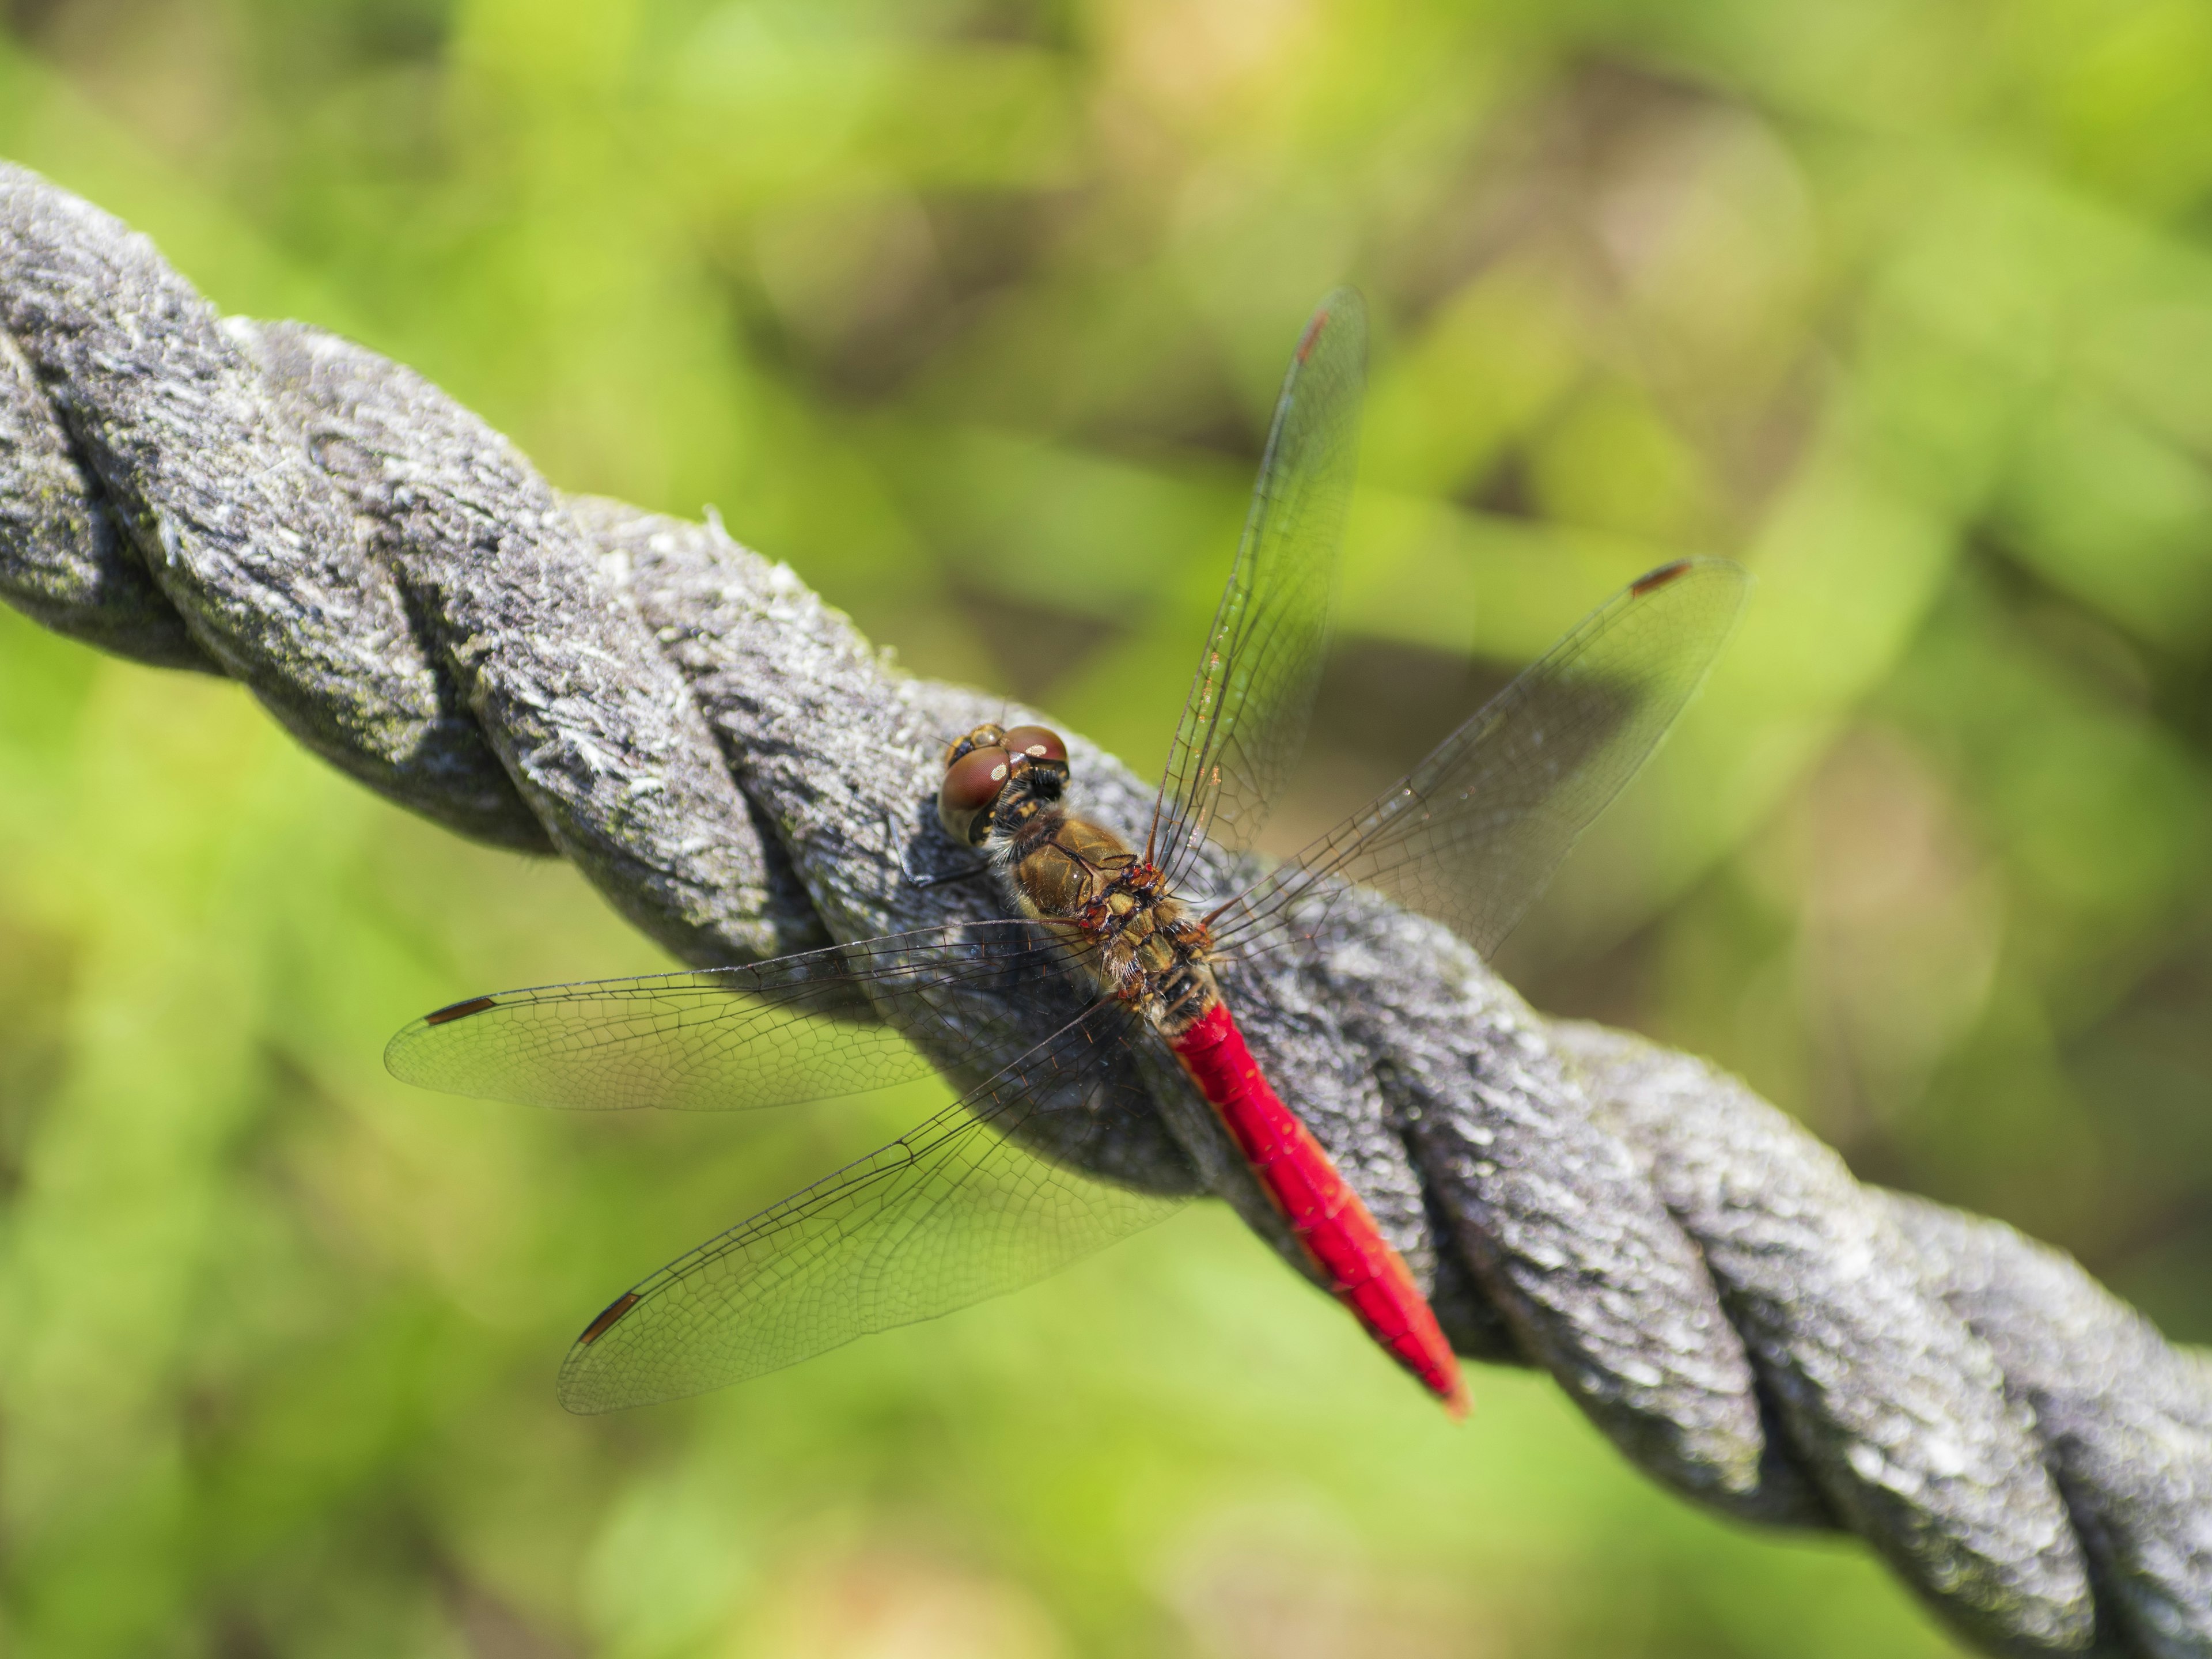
{"x": 735, "y": 768}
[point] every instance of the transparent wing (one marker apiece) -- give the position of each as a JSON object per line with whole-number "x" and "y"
{"x": 1472, "y": 833}
{"x": 985, "y": 1197}
{"x": 1245, "y": 719}
{"x": 809, "y": 1027}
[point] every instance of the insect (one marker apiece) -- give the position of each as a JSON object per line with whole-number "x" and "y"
{"x": 1065, "y": 1016}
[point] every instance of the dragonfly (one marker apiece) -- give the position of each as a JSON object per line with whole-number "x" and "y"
{"x": 1107, "y": 962}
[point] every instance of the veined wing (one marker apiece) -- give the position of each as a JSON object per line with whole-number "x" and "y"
{"x": 814, "y": 1026}
{"x": 985, "y": 1197}
{"x": 1244, "y": 720}
{"x": 1473, "y": 833}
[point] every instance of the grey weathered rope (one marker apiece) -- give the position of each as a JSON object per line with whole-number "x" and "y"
{"x": 734, "y": 767}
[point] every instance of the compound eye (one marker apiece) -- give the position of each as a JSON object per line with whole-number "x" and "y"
{"x": 1039, "y": 742}
{"x": 971, "y": 787}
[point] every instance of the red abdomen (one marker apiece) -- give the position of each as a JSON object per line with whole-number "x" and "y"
{"x": 1364, "y": 1271}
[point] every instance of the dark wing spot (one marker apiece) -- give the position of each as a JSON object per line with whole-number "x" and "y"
{"x": 1652, "y": 580}
{"x": 614, "y": 1309}
{"x": 1313, "y": 333}
{"x": 460, "y": 1010}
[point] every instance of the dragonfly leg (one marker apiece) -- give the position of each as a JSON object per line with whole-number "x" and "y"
{"x": 922, "y": 878}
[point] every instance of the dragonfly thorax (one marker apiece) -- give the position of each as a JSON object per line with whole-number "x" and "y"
{"x": 1002, "y": 791}
{"x": 1125, "y": 933}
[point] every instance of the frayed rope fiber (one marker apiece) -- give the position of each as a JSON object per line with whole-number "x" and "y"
{"x": 739, "y": 772}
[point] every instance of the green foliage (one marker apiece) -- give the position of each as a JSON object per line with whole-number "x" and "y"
{"x": 972, "y": 310}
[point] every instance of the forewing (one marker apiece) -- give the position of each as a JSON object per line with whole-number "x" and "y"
{"x": 809, "y": 1027}
{"x": 1473, "y": 834}
{"x": 985, "y": 1197}
{"x": 1245, "y": 719}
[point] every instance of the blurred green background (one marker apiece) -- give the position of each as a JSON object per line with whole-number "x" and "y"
{"x": 973, "y": 313}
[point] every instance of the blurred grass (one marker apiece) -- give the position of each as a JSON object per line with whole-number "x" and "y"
{"x": 972, "y": 310}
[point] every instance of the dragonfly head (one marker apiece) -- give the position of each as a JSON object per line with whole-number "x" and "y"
{"x": 993, "y": 765}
